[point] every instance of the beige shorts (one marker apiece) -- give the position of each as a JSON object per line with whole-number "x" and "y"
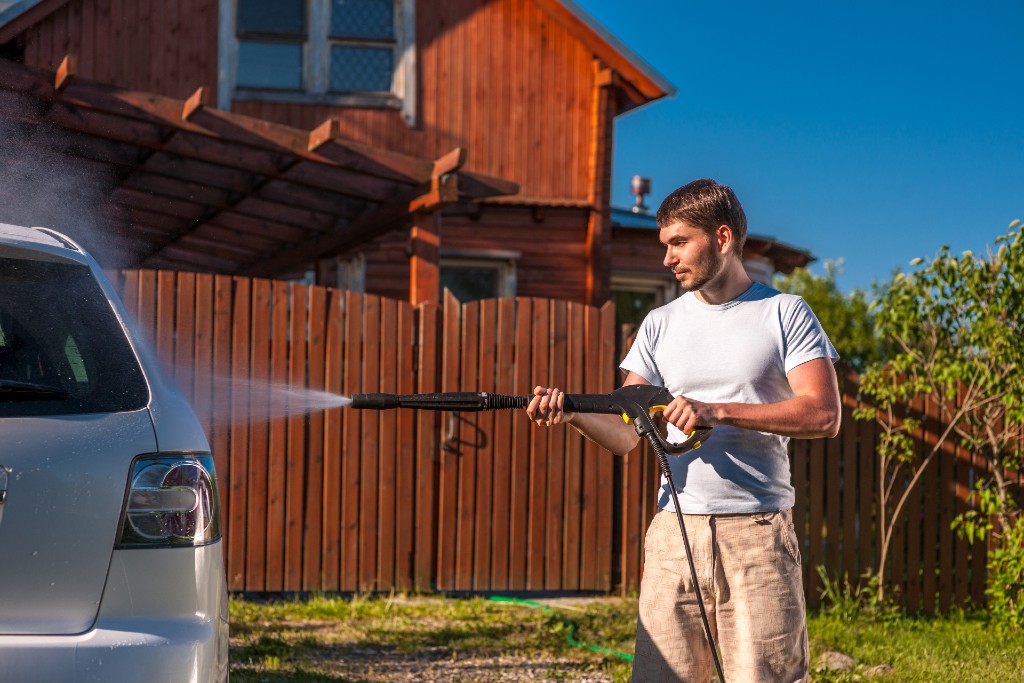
{"x": 749, "y": 571}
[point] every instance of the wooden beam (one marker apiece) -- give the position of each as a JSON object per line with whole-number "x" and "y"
{"x": 598, "y": 245}
{"x": 425, "y": 258}
{"x": 65, "y": 72}
{"x": 193, "y": 104}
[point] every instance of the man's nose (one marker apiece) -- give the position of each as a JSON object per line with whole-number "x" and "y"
{"x": 669, "y": 259}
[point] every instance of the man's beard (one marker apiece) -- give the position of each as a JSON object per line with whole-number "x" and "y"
{"x": 706, "y": 270}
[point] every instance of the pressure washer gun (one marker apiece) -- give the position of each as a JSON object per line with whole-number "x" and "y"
{"x": 636, "y": 403}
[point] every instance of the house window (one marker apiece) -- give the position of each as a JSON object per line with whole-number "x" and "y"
{"x": 335, "y": 52}
{"x": 635, "y": 296}
{"x": 471, "y": 275}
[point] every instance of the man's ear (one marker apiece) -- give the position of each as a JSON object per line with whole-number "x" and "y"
{"x": 723, "y": 237}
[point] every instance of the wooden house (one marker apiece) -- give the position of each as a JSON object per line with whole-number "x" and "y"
{"x": 388, "y": 146}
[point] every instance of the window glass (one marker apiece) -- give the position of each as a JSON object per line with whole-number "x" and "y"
{"x": 470, "y": 283}
{"x": 363, "y": 19}
{"x": 60, "y": 335}
{"x": 631, "y": 307}
{"x": 271, "y": 16}
{"x": 270, "y": 65}
{"x": 359, "y": 68}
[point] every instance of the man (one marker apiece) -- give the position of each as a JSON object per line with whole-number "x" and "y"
{"x": 756, "y": 365}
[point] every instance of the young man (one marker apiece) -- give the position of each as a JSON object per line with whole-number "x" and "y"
{"x": 756, "y": 365}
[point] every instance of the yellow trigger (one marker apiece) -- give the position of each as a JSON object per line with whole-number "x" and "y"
{"x": 653, "y": 409}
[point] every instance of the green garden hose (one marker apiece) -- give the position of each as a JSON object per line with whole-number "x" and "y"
{"x": 570, "y": 637}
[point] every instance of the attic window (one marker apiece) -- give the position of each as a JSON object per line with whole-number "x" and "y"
{"x": 335, "y": 52}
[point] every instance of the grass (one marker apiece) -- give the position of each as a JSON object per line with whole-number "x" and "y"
{"x": 959, "y": 647}
{"x": 400, "y": 637}
{"x": 330, "y": 639}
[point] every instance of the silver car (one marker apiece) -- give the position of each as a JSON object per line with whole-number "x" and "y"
{"x": 111, "y": 565}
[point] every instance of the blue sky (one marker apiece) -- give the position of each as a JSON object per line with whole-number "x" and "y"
{"x": 874, "y": 132}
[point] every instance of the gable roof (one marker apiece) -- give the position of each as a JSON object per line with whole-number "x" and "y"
{"x": 644, "y": 84}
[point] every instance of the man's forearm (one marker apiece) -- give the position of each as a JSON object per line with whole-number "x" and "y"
{"x": 607, "y": 431}
{"x": 801, "y": 417}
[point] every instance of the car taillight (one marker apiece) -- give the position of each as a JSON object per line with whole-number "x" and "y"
{"x": 172, "y": 501}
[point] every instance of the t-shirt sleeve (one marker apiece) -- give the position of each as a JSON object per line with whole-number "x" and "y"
{"x": 640, "y": 358}
{"x": 806, "y": 340}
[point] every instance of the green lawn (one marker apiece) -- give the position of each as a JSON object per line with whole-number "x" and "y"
{"x": 396, "y": 638}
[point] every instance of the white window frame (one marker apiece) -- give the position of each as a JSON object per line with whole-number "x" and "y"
{"x": 316, "y": 64}
{"x": 504, "y": 262}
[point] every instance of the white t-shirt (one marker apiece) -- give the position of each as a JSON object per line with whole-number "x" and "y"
{"x": 737, "y": 352}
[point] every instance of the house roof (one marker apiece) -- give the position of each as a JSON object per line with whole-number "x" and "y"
{"x": 642, "y": 82}
{"x": 199, "y": 188}
{"x": 784, "y": 257}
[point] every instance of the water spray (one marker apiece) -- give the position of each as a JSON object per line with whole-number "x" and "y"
{"x": 636, "y": 403}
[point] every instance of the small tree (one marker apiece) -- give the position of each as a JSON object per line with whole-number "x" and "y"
{"x": 956, "y": 326}
{"x": 846, "y": 318}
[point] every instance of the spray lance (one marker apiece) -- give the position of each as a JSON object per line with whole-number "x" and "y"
{"x": 636, "y": 403}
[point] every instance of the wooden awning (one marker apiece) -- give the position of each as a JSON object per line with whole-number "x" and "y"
{"x": 192, "y": 187}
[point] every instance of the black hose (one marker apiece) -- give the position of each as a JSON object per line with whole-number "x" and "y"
{"x": 663, "y": 462}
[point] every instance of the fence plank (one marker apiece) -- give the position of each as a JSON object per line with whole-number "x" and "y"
{"x": 448, "y": 493}
{"x": 239, "y": 433}
{"x": 330, "y": 560}
{"x": 536, "y": 521}
{"x": 606, "y": 461}
{"x": 261, "y": 402}
{"x": 351, "y": 464}
{"x": 486, "y": 333}
{"x": 816, "y": 497}
{"x": 522, "y": 432}
{"x": 557, "y": 452}
{"x": 798, "y": 477}
{"x": 277, "y": 472}
{"x": 867, "y": 484}
{"x": 405, "y": 476}
{"x": 573, "y": 468}
{"x": 369, "y": 524}
{"x": 930, "y": 532}
{"x": 202, "y": 360}
{"x": 295, "y": 477}
{"x": 502, "y": 508}
{"x": 427, "y": 451}
{"x": 387, "y": 445}
{"x": 590, "y": 461}
{"x": 184, "y": 334}
{"x": 165, "y": 302}
{"x": 468, "y": 444}
{"x": 849, "y": 491}
{"x": 220, "y": 401}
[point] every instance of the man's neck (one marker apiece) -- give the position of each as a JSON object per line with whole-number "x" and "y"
{"x": 727, "y": 285}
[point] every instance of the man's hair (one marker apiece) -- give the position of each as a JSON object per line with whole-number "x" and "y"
{"x": 706, "y": 205}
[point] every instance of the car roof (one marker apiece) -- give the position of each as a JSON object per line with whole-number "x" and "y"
{"x": 41, "y": 243}
{"x": 41, "y": 236}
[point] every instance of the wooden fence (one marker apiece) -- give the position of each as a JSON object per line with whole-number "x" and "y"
{"x": 343, "y": 500}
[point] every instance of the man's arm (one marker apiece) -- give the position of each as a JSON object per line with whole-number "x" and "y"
{"x": 607, "y": 431}
{"x": 813, "y": 412}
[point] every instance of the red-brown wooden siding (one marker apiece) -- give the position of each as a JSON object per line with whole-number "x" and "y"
{"x": 498, "y": 77}
{"x": 551, "y": 242}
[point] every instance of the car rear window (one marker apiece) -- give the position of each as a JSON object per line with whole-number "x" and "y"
{"x": 62, "y": 349}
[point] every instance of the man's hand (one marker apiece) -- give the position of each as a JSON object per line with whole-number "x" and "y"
{"x": 546, "y": 407}
{"x": 687, "y": 414}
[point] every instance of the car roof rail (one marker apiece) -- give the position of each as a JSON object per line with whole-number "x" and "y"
{"x": 61, "y": 237}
